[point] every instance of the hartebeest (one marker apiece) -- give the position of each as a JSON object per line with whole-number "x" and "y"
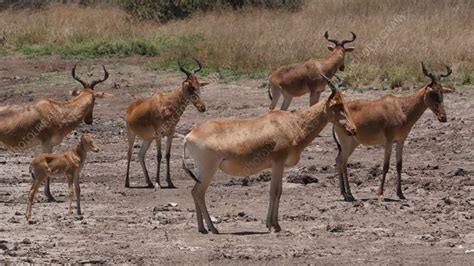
{"x": 385, "y": 121}
{"x": 299, "y": 79}
{"x": 47, "y": 121}
{"x": 157, "y": 116}
{"x": 242, "y": 147}
{"x": 68, "y": 163}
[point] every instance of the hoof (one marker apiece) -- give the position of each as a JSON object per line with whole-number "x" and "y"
{"x": 51, "y": 199}
{"x": 171, "y": 186}
{"x": 214, "y": 231}
{"x": 127, "y": 185}
{"x": 276, "y": 228}
{"x": 349, "y": 198}
{"x": 400, "y": 196}
{"x": 203, "y": 231}
{"x": 150, "y": 185}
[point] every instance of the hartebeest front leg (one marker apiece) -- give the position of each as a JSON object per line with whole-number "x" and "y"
{"x": 158, "y": 160}
{"x": 47, "y": 191}
{"x": 386, "y": 166}
{"x": 77, "y": 191}
{"x": 275, "y": 194}
{"x": 169, "y": 141}
{"x": 399, "y": 153}
{"x": 141, "y": 157}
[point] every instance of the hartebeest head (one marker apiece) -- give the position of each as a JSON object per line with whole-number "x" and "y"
{"x": 89, "y": 88}
{"x": 88, "y": 143}
{"x": 192, "y": 87}
{"x": 337, "y": 110}
{"x": 434, "y": 92}
{"x": 339, "y": 46}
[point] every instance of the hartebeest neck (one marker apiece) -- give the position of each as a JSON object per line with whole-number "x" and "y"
{"x": 332, "y": 62}
{"x": 313, "y": 120}
{"x": 177, "y": 102}
{"x": 413, "y": 105}
{"x": 73, "y": 111}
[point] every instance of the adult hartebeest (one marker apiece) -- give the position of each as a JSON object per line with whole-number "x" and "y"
{"x": 157, "y": 116}
{"x": 68, "y": 163}
{"x": 299, "y": 79}
{"x": 47, "y": 121}
{"x": 242, "y": 147}
{"x": 385, "y": 121}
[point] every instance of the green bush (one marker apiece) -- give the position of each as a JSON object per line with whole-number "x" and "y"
{"x": 165, "y": 10}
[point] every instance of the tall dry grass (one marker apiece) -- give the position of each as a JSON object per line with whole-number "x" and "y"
{"x": 394, "y": 36}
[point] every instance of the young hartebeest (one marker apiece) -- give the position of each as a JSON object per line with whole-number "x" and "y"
{"x": 299, "y": 79}
{"x": 385, "y": 121}
{"x": 47, "y": 121}
{"x": 157, "y": 116}
{"x": 68, "y": 163}
{"x": 242, "y": 147}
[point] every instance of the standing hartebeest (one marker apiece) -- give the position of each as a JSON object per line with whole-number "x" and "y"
{"x": 242, "y": 147}
{"x": 299, "y": 79}
{"x": 47, "y": 121}
{"x": 68, "y": 163}
{"x": 157, "y": 116}
{"x": 385, "y": 121}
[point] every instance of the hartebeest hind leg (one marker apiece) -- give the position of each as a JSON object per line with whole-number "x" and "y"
{"x": 158, "y": 159}
{"x": 141, "y": 157}
{"x": 275, "y": 194}
{"x": 276, "y": 92}
{"x": 77, "y": 191}
{"x": 386, "y": 166}
{"x": 399, "y": 153}
{"x": 286, "y": 102}
{"x": 169, "y": 141}
{"x": 34, "y": 187}
{"x": 131, "y": 141}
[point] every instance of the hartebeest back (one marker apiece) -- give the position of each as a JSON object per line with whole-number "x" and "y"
{"x": 242, "y": 147}
{"x": 299, "y": 79}
{"x": 47, "y": 121}
{"x": 385, "y": 121}
{"x": 157, "y": 116}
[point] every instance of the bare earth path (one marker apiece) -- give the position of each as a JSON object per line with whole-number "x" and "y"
{"x": 434, "y": 225}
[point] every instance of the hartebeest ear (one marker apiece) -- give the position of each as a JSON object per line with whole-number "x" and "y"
{"x": 331, "y": 48}
{"x": 75, "y": 92}
{"x": 202, "y": 84}
{"x": 349, "y": 49}
{"x": 102, "y": 94}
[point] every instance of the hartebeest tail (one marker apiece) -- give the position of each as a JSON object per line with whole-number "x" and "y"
{"x": 47, "y": 122}
{"x": 385, "y": 121}
{"x": 299, "y": 79}
{"x": 242, "y": 147}
{"x": 157, "y": 116}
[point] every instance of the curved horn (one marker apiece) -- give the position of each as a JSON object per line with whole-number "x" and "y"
{"x": 106, "y": 76}
{"x": 331, "y": 85}
{"x": 427, "y": 72}
{"x": 181, "y": 67}
{"x": 449, "y": 71}
{"x": 326, "y": 35}
{"x": 73, "y": 72}
{"x": 354, "y": 36}
{"x": 199, "y": 65}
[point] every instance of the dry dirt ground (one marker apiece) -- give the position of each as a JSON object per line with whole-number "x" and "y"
{"x": 433, "y": 226}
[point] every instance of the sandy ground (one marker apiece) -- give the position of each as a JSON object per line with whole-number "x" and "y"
{"x": 433, "y": 226}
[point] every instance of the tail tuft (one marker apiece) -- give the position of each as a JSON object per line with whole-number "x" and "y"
{"x": 268, "y": 89}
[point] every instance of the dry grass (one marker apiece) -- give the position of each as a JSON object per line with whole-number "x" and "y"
{"x": 394, "y": 36}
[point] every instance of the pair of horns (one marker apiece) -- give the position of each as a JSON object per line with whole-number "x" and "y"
{"x": 187, "y": 72}
{"x": 434, "y": 77}
{"x": 332, "y": 85}
{"x": 93, "y": 83}
{"x": 337, "y": 42}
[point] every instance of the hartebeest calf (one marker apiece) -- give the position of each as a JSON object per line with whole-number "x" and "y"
{"x": 47, "y": 121}
{"x": 157, "y": 116}
{"x": 242, "y": 147}
{"x": 299, "y": 79}
{"x": 68, "y": 163}
{"x": 385, "y": 121}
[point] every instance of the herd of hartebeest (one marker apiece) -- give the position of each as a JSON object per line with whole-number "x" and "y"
{"x": 238, "y": 147}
